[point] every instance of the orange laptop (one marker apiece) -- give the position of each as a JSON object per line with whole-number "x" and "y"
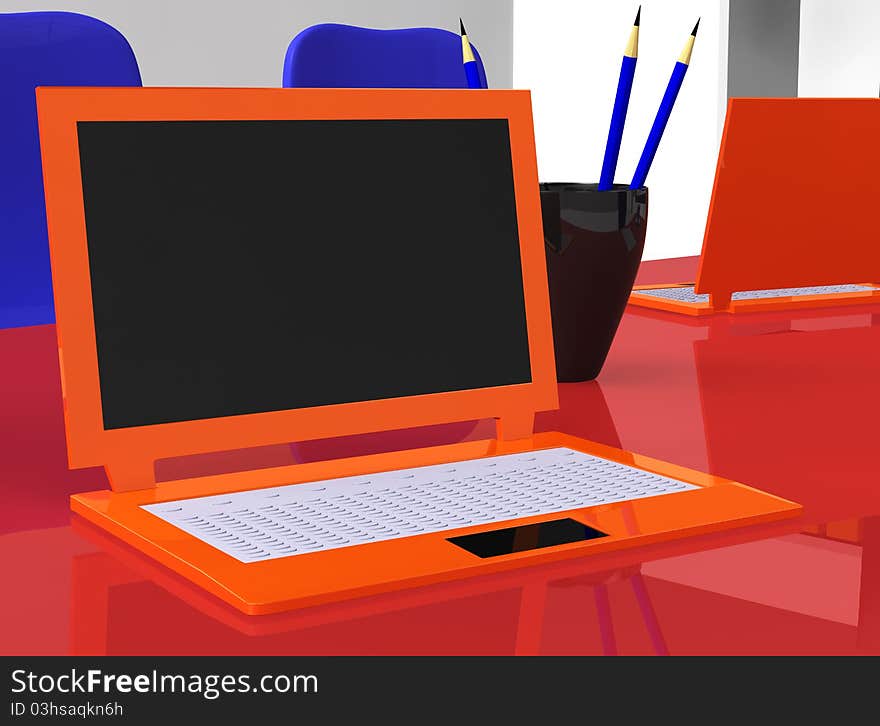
{"x": 244, "y": 267}
{"x": 792, "y": 221}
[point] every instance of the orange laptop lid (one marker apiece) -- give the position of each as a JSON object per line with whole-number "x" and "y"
{"x": 127, "y": 450}
{"x": 791, "y": 205}
{"x": 245, "y": 267}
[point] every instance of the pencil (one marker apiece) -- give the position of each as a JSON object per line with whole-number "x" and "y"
{"x": 664, "y": 111}
{"x": 621, "y": 102}
{"x": 470, "y": 63}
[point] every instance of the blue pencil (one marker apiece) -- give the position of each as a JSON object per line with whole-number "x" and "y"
{"x": 621, "y": 102}
{"x": 470, "y": 63}
{"x": 664, "y": 111}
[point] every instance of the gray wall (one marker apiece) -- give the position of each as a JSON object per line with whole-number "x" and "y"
{"x": 242, "y": 42}
{"x": 762, "y": 50}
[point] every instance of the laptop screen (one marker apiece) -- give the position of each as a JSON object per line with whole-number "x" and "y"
{"x": 250, "y": 266}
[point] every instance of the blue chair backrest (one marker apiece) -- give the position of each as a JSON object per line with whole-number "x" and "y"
{"x": 345, "y": 56}
{"x": 41, "y": 49}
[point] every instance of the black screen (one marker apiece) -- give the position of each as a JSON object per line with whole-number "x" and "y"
{"x": 248, "y": 266}
{"x": 497, "y": 542}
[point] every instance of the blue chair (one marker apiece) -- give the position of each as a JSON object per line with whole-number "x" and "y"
{"x": 41, "y": 49}
{"x": 345, "y": 56}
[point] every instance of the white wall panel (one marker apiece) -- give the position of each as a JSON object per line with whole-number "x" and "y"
{"x": 568, "y": 52}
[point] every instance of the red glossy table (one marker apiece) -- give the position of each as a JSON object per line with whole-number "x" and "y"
{"x": 786, "y": 402}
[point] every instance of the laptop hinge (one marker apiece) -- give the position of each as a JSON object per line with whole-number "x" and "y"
{"x": 515, "y": 426}
{"x": 720, "y": 301}
{"x": 132, "y": 474}
{"x": 129, "y": 475}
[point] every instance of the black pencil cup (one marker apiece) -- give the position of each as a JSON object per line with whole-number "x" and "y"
{"x": 594, "y": 242}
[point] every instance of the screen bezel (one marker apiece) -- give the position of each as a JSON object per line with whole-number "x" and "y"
{"x": 89, "y": 444}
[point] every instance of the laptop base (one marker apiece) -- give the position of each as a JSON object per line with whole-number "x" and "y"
{"x": 681, "y": 298}
{"x": 275, "y": 585}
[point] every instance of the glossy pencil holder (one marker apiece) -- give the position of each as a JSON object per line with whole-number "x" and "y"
{"x": 594, "y": 242}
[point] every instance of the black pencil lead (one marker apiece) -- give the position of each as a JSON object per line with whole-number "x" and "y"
{"x": 638, "y": 16}
{"x": 463, "y": 31}
{"x": 694, "y": 31}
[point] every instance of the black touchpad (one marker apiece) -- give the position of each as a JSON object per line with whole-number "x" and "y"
{"x": 526, "y": 537}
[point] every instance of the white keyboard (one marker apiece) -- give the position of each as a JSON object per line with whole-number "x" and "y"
{"x": 296, "y": 519}
{"x": 687, "y": 294}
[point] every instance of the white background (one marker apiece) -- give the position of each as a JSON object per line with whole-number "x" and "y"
{"x": 839, "y": 48}
{"x": 569, "y": 52}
